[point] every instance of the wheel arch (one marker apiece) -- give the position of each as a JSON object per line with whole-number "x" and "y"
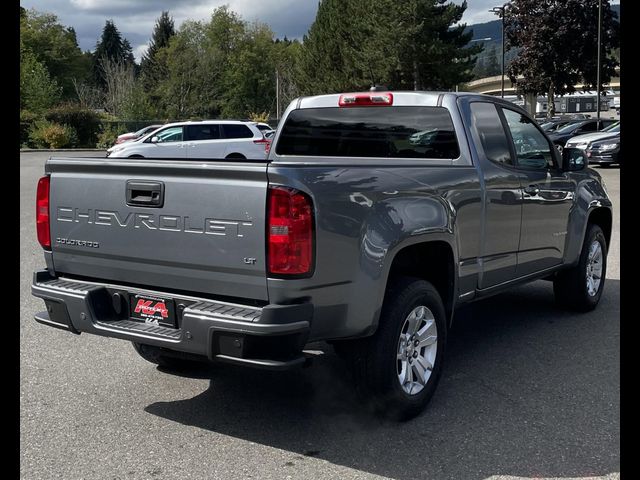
{"x": 602, "y": 217}
{"x": 433, "y": 260}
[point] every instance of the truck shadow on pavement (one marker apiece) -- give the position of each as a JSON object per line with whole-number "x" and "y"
{"x": 528, "y": 390}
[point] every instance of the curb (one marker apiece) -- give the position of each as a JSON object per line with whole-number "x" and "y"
{"x": 29, "y": 150}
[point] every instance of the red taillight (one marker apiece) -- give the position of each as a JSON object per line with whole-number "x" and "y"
{"x": 366, "y": 99}
{"x": 42, "y": 212}
{"x": 289, "y": 232}
{"x": 264, "y": 141}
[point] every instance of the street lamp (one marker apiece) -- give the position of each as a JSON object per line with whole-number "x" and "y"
{"x": 598, "y": 70}
{"x": 500, "y": 12}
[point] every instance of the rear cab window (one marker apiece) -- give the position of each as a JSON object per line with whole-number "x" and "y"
{"x": 378, "y": 132}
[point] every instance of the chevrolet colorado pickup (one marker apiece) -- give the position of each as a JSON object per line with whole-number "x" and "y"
{"x": 374, "y": 216}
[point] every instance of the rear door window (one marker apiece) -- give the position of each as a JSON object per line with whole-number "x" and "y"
{"x": 488, "y": 127}
{"x": 237, "y": 131}
{"x": 378, "y": 132}
{"x": 203, "y": 132}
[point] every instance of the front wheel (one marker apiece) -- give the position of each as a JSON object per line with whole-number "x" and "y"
{"x": 398, "y": 368}
{"x": 580, "y": 288}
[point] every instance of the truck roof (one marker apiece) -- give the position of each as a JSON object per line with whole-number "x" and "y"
{"x": 400, "y": 98}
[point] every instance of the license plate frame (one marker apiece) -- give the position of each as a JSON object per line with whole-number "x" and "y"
{"x": 152, "y": 310}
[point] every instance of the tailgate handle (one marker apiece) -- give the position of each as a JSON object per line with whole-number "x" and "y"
{"x": 144, "y": 193}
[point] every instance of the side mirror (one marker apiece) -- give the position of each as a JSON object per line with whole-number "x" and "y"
{"x": 573, "y": 159}
{"x": 155, "y": 139}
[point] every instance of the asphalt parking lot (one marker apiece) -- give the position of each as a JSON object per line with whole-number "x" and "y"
{"x": 528, "y": 391}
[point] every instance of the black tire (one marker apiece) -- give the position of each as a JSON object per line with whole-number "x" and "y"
{"x": 156, "y": 356}
{"x": 135, "y": 156}
{"x": 236, "y": 156}
{"x": 570, "y": 286}
{"x": 374, "y": 359}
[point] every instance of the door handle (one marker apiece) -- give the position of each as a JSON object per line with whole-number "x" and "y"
{"x": 532, "y": 190}
{"x": 143, "y": 193}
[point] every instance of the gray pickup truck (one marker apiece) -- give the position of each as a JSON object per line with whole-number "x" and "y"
{"x": 374, "y": 216}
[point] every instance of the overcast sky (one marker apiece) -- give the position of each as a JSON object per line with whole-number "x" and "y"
{"x": 135, "y": 18}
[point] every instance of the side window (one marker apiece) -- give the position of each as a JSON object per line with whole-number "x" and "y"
{"x": 171, "y": 134}
{"x": 203, "y": 132}
{"x": 237, "y": 131}
{"x": 531, "y": 146}
{"x": 490, "y": 131}
{"x": 589, "y": 127}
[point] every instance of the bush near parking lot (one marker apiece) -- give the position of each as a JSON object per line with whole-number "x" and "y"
{"x": 46, "y": 134}
{"x": 85, "y": 122}
{"x": 108, "y": 136}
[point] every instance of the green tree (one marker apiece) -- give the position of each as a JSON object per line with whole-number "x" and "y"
{"x": 55, "y": 47}
{"x": 557, "y": 42}
{"x": 111, "y": 46}
{"x": 223, "y": 67}
{"x": 151, "y": 70}
{"x": 412, "y": 45}
{"x": 183, "y": 91}
{"x": 347, "y": 46}
{"x": 249, "y": 78}
{"x": 488, "y": 63}
{"x": 38, "y": 91}
{"x": 434, "y": 51}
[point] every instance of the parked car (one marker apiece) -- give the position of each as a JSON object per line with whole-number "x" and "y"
{"x": 217, "y": 139}
{"x": 551, "y": 126}
{"x": 583, "y": 141}
{"x": 562, "y": 135}
{"x": 126, "y": 137}
{"x": 604, "y": 152}
{"x": 264, "y": 127}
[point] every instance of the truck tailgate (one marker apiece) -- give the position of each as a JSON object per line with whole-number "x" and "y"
{"x": 185, "y": 225}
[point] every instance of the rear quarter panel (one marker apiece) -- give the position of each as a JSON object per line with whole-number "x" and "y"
{"x": 366, "y": 211}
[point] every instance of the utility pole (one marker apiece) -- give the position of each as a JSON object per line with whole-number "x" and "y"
{"x": 598, "y": 60}
{"x": 500, "y": 11}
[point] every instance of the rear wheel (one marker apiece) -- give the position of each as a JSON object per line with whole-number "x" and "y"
{"x": 236, "y": 156}
{"x": 135, "y": 156}
{"x": 398, "y": 368}
{"x": 580, "y": 288}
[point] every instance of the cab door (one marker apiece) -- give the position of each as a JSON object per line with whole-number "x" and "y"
{"x": 169, "y": 143}
{"x": 500, "y": 235}
{"x": 547, "y": 195}
{"x": 203, "y": 141}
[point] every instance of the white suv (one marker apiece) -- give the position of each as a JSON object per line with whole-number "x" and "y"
{"x": 215, "y": 139}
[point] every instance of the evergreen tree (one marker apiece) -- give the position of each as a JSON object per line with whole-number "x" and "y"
{"x": 493, "y": 62}
{"x": 413, "y": 44}
{"x": 433, "y": 54}
{"x": 113, "y": 47}
{"x": 150, "y": 68}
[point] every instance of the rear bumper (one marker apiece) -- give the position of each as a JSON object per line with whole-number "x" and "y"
{"x": 272, "y": 336}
